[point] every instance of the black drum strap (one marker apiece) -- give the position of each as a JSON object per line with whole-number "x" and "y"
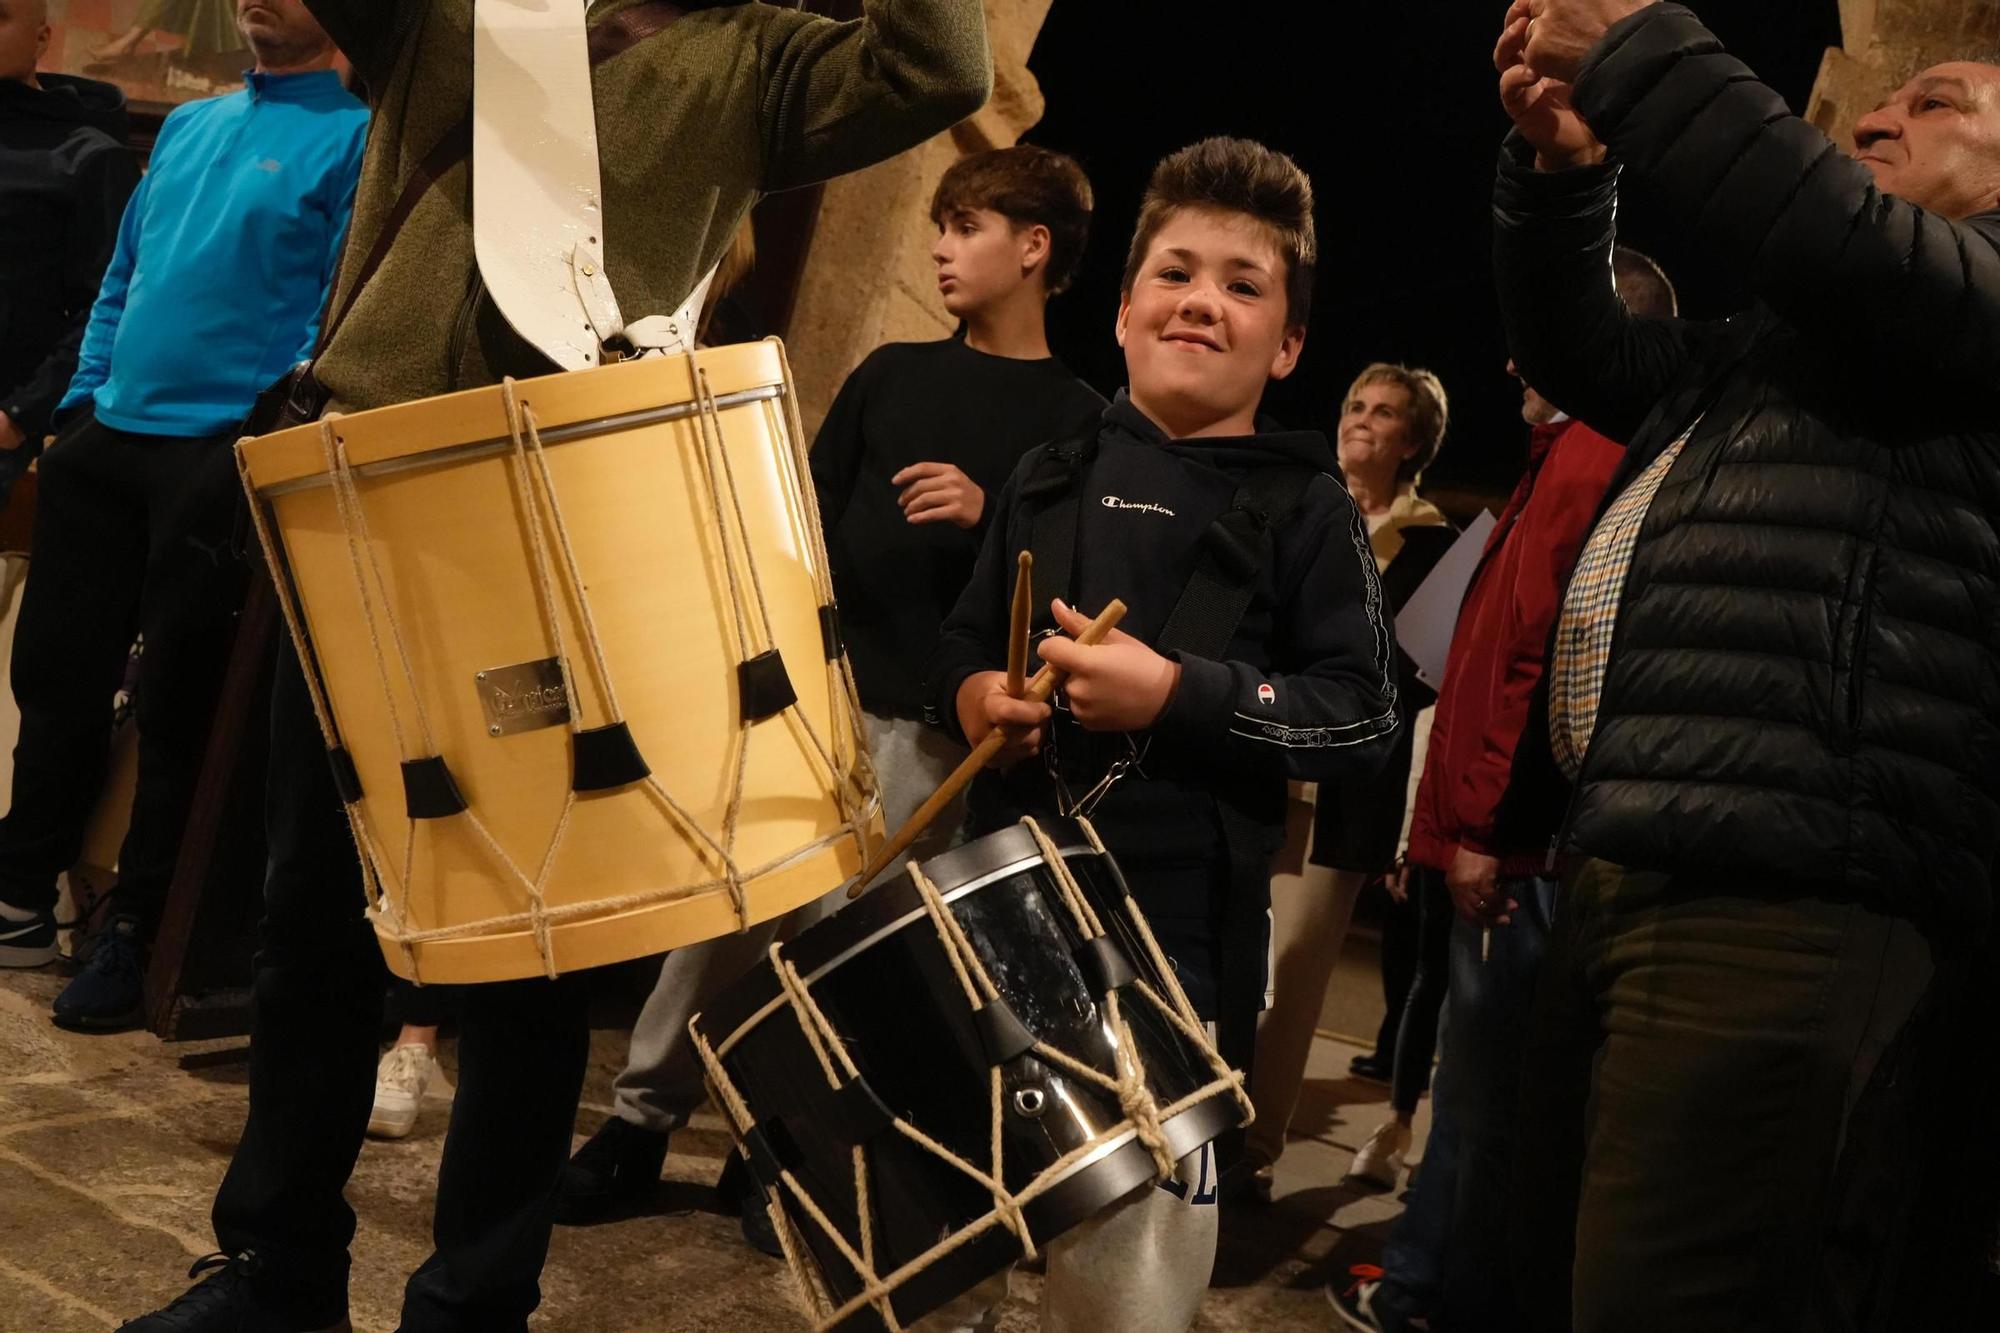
{"x": 1056, "y": 489}
{"x": 1235, "y": 550}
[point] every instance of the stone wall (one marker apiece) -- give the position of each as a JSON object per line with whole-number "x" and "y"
{"x": 1884, "y": 42}
{"x": 868, "y": 279}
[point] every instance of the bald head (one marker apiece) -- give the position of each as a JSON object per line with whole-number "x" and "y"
{"x": 1936, "y": 140}
{"x": 24, "y": 38}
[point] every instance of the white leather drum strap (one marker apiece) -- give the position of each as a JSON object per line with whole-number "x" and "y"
{"x": 537, "y": 194}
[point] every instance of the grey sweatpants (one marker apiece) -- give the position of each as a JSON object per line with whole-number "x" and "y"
{"x": 661, "y": 1085}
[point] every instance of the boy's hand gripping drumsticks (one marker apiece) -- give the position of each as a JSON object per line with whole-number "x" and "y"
{"x": 1037, "y": 690}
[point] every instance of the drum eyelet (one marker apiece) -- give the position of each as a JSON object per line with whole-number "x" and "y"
{"x": 1029, "y": 1103}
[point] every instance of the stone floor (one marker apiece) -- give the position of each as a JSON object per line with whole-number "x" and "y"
{"x": 111, "y": 1147}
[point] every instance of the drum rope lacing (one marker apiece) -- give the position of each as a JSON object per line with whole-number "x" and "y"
{"x": 852, "y": 789}
{"x": 709, "y": 428}
{"x": 1136, "y": 1100}
{"x": 840, "y": 671}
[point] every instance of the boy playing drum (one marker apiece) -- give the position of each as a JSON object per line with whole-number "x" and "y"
{"x": 1254, "y": 650}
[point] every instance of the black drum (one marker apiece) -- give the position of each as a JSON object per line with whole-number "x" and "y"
{"x": 1004, "y": 1000}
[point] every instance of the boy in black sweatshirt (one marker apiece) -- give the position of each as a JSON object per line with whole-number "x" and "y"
{"x": 923, "y": 435}
{"x": 1195, "y": 716}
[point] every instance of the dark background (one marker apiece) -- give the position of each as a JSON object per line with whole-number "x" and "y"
{"x": 1391, "y": 108}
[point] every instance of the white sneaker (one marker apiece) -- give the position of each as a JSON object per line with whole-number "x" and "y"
{"x": 401, "y": 1080}
{"x": 1380, "y": 1161}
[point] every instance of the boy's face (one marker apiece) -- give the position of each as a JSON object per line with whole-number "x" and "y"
{"x": 983, "y": 258}
{"x": 1205, "y": 325}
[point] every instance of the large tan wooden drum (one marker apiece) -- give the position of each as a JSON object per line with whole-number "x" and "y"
{"x": 573, "y": 647}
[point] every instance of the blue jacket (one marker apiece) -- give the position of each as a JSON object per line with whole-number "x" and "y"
{"x": 223, "y": 257}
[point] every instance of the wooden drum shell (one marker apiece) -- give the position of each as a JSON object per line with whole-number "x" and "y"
{"x": 655, "y": 535}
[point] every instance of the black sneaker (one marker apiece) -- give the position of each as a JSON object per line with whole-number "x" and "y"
{"x": 618, "y": 1169}
{"x": 224, "y": 1302}
{"x": 1374, "y": 1067}
{"x": 110, "y": 993}
{"x": 30, "y": 943}
{"x": 738, "y": 1192}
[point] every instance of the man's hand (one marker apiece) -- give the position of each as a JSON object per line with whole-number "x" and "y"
{"x": 10, "y": 434}
{"x": 1540, "y": 105}
{"x": 983, "y": 704}
{"x": 939, "y": 493}
{"x": 1397, "y": 882}
{"x": 1117, "y": 685}
{"x": 1563, "y": 31}
{"x": 1474, "y": 884}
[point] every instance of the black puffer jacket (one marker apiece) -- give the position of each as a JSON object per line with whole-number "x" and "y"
{"x": 1804, "y": 689}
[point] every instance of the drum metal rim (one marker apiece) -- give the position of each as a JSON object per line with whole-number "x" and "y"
{"x": 876, "y": 936}
{"x": 550, "y": 435}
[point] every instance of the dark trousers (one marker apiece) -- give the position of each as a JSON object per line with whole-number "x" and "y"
{"x": 1417, "y": 1016}
{"x": 1447, "y": 1256}
{"x": 133, "y": 534}
{"x": 1716, "y": 1125}
{"x": 522, "y": 1050}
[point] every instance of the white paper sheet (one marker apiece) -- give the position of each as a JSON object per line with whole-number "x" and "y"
{"x": 1426, "y": 621}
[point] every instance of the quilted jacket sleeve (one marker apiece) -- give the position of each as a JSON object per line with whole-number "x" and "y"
{"x": 1553, "y": 233}
{"x": 1778, "y": 207}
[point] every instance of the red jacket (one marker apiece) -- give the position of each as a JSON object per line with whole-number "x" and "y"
{"x": 1498, "y": 647}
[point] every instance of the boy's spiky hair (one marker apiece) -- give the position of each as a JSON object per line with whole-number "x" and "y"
{"x": 1027, "y": 186}
{"x": 1237, "y": 176}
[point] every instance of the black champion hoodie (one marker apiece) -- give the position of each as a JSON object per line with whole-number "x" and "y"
{"x": 65, "y": 176}
{"x": 1306, "y": 689}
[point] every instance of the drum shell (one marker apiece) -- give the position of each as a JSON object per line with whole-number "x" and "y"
{"x": 884, "y": 983}
{"x": 668, "y": 557}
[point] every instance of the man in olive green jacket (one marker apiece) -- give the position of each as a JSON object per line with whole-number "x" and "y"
{"x": 695, "y": 122}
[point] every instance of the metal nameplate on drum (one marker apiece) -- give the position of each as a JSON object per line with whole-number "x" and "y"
{"x": 524, "y": 697}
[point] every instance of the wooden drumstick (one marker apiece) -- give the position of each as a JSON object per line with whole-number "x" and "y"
{"x": 1024, "y": 614}
{"x": 1038, "y": 691}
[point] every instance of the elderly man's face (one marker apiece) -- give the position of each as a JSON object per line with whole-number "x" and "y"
{"x": 1936, "y": 142}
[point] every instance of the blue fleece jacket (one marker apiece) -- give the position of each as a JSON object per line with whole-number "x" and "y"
{"x": 223, "y": 257}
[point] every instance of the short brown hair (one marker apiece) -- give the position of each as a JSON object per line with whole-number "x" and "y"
{"x": 1430, "y": 410}
{"x": 1028, "y": 186}
{"x": 1237, "y": 176}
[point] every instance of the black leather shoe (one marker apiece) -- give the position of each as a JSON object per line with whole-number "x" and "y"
{"x": 225, "y": 1302}
{"x": 1373, "y": 1067}
{"x": 617, "y": 1169}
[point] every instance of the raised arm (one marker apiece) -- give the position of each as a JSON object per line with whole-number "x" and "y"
{"x": 1553, "y": 233}
{"x": 837, "y": 97}
{"x": 1775, "y": 205}
{"x": 1555, "y": 207}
